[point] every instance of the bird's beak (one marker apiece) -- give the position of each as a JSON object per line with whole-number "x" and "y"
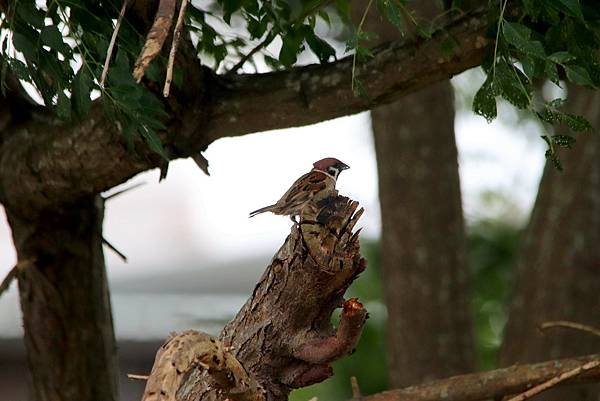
{"x": 344, "y": 166}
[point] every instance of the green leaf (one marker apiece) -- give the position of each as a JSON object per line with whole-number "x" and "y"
{"x": 553, "y": 157}
{"x": 513, "y": 85}
{"x": 561, "y": 57}
{"x": 19, "y": 69}
{"x": 30, "y": 13}
{"x": 577, "y": 123}
{"x": 551, "y": 72}
{"x": 322, "y": 49}
{"x": 153, "y": 142}
{"x": 484, "y": 102}
{"x": 230, "y": 7}
{"x": 291, "y": 47}
{"x": 519, "y": 36}
{"x": 256, "y": 27}
{"x": 80, "y": 94}
{"x": 568, "y": 7}
{"x": 391, "y": 11}
{"x": 51, "y": 36}
{"x": 578, "y": 75}
{"x": 552, "y": 115}
{"x": 564, "y": 141}
{"x": 63, "y": 106}
{"x": 24, "y": 45}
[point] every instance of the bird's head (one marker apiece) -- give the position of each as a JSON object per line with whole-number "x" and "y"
{"x": 331, "y": 166}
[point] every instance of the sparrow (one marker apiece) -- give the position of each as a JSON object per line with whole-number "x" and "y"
{"x": 313, "y": 186}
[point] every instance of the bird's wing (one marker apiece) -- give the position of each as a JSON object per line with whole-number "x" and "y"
{"x": 304, "y": 188}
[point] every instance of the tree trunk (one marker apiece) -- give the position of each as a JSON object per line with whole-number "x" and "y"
{"x": 430, "y": 331}
{"x": 557, "y": 269}
{"x": 64, "y": 297}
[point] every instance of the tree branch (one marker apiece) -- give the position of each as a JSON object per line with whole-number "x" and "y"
{"x": 282, "y": 337}
{"x": 44, "y": 165}
{"x": 495, "y": 384}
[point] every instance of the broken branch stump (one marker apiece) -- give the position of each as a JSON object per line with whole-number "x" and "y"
{"x": 282, "y": 338}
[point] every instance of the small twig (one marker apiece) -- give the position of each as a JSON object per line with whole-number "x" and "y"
{"x": 8, "y": 279}
{"x": 356, "y": 395}
{"x": 273, "y": 33}
{"x": 570, "y": 325}
{"x": 139, "y": 184}
{"x": 111, "y": 46}
{"x": 266, "y": 41}
{"x": 555, "y": 380}
{"x": 137, "y": 377}
{"x": 12, "y": 274}
{"x": 115, "y": 250}
{"x": 176, "y": 37}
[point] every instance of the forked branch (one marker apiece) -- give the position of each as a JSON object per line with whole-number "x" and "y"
{"x": 282, "y": 338}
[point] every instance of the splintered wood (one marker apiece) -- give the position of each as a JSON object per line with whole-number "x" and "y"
{"x": 156, "y": 37}
{"x": 224, "y": 377}
{"x": 282, "y": 338}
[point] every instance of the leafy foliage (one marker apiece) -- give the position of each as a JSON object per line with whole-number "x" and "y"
{"x": 60, "y": 49}
{"x": 554, "y": 40}
{"x": 60, "y": 46}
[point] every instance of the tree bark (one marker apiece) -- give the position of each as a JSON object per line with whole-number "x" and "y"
{"x": 426, "y": 278}
{"x": 283, "y": 336}
{"x": 557, "y": 269}
{"x": 64, "y": 297}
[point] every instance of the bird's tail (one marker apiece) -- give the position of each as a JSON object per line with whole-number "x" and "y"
{"x": 261, "y": 210}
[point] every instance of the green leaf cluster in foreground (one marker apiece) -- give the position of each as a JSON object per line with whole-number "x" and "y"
{"x": 60, "y": 47}
{"x": 550, "y": 40}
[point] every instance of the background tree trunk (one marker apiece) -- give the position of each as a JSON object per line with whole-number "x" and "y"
{"x": 558, "y": 276}
{"x": 426, "y": 279}
{"x": 64, "y": 297}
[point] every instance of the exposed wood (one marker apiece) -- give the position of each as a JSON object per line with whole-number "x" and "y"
{"x": 156, "y": 37}
{"x": 44, "y": 165}
{"x": 283, "y": 335}
{"x": 223, "y": 377}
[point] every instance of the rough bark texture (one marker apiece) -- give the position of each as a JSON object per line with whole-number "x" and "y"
{"x": 423, "y": 236}
{"x": 66, "y": 308}
{"x": 557, "y": 269}
{"x": 283, "y": 335}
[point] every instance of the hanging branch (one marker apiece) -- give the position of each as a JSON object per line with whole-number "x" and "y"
{"x": 156, "y": 37}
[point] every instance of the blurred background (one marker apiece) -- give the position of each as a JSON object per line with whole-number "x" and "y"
{"x": 194, "y": 256}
